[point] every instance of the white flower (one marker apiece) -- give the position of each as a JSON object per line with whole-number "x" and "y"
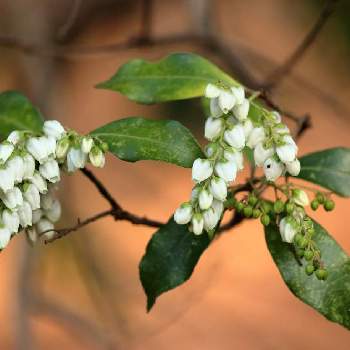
{"x": 41, "y": 148}
{"x": 16, "y": 166}
{"x": 238, "y": 93}
{"x": 293, "y": 167}
{"x": 45, "y": 225}
{"x": 218, "y": 207}
{"x": 37, "y": 215}
{"x": 287, "y": 152}
{"x": 240, "y": 111}
{"x": 287, "y": 230}
{"x": 7, "y": 179}
{"x": 76, "y": 159}
{"x": 213, "y": 128}
{"x": 86, "y": 144}
{"x": 54, "y": 129}
{"x": 50, "y": 171}
{"x": 25, "y": 214}
{"x": 235, "y": 137}
{"x": 13, "y": 198}
{"x": 183, "y": 214}
{"x": 195, "y": 194}
{"x": 46, "y": 201}
{"x": 54, "y": 213}
{"x": 28, "y": 167}
{"x": 218, "y": 188}
{"x": 32, "y": 196}
{"x": 273, "y": 169}
{"x": 201, "y": 170}
{"x": 300, "y": 197}
{"x": 211, "y": 91}
{"x": 6, "y": 150}
{"x": 205, "y": 199}
{"x": 226, "y": 101}
{"x": 247, "y": 127}
{"x": 97, "y": 158}
{"x": 62, "y": 148}
{"x": 215, "y": 110}
{"x": 39, "y": 182}
{"x": 197, "y": 224}
{"x": 210, "y": 219}
{"x": 14, "y": 137}
{"x": 261, "y": 154}
{"x": 256, "y": 136}
{"x": 234, "y": 156}
{"x": 226, "y": 170}
{"x": 10, "y": 220}
{"x": 277, "y": 117}
{"x": 5, "y": 236}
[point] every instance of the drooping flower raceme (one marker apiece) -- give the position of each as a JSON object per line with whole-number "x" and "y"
{"x": 30, "y": 167}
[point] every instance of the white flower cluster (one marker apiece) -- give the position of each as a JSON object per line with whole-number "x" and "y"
{"x": 30, "y": 167}
{"x": 229, "y": 130}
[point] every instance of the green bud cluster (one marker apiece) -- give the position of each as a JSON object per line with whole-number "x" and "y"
{"x": 321, "y": 199}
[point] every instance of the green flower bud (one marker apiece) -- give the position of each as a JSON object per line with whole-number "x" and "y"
{"x": 265, "y": 220}
{"x": 321, "y": 274}
{"x": 310, "y": 232}
{"x": 252, "y": 200}
{"x": 309, "y": 269}
{"x": 299, "y": 252}
{"x": 300, "y": 197}
{"x": 248, "y": 211}
{"x": 256, "y": 213}
{"x": 314, "y": 204}
{"x": 104, "y": 147}
{"x": 329, "y": 205}
{"x": 297, "y": 238}
{"x": 239, "y": 206}
{"x": 308, "y": 255}
{"x": 302, "y": 243}
{"x": 289, "y": 208}
{"x": 266, "y": 207}
{"x": 278, "y": 206}
{"x": 320, "y": 197}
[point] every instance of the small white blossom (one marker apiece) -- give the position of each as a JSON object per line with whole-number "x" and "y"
{"x": 238, "y": 93}
{"x": 256, "y": 136}
{"x": 218, "y": 188}
{"x": 86, "y": 144}
{"x": 25, "y": 214}
{"x": 54, "y": 129}
{"x": 287, "y": 152}
{"x": 195, "y": 194}
{"x": 37, "y": 215}
{"x": 201, "y": 170}
{"x": 76, "y": 159}
{"x": 54, "y": 213}
{"x": 10, "y": 220}
{"x": 197, "y": 224}
{"x": 97, "y": 158}
{"x": 5, "y": 236}
{"x": 248, "y": 128}
{"x": 287, "y": 230}
{"x": 28, "y": 167}
{"x": 183, "y": 214}
{"x": 205, "y": 199}
{"x": 45, "y": 225}
{"x": 210, "y": 219}
{"x": 234, "y": 156}
{"x": 32, "y": 196}
{"x": 16, "y": 166}
{"x": 41, "y": 148}
{"x": 46, "y": 201}
{"x": 218, "y": 207}
{"x": 261, "y": 154}
{"x": 235, "y": 137}
{"x": 7, "y": 179}
{"x": 300, "y": 197}
{"x": 240, "y": 111}
{"x": 6, "y": 150}
{"x": 62, "y": 148}
{"x": 293, "y": 167}
{"x": 273, "y": 169}
{"x": 226, "y": 170}
{"x": 14, "y": 137}
{"x": 50, "y": 171}
{"x": 276, "y": 116}
{"x": 39, "y": 182}
{"x": 211, "y": 91}
{"x": 215, "y": 110}
{"x": 213, "y": 128}
{"x": 226, "y": 101}
{"x": 13, "y": 198}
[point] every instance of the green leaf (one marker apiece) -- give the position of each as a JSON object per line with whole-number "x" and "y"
{"x": 176, "y": 77}
{"x": 170, "y": 258}
{"x": 329, "y": 168}
{"x": 17, "y": 113}
{"x": 135, "y": 138}
{"x": 331, "y": 297}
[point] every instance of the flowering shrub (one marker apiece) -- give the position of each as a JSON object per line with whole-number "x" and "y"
{"x": 239, "y": 127}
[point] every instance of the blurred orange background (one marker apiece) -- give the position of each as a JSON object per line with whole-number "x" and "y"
{"x": 83, "y": 292}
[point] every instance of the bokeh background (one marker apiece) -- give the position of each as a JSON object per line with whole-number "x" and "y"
{"x": 83, "y": 292}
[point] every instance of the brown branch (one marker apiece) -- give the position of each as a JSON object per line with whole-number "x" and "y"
{"x": 285, "y": 69}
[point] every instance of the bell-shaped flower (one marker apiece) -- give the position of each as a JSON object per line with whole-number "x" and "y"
{"x": 32, "y": 196}
{"x": 256, "y": 136}
{"x": 287, "y": 152}
{"x": 29, "y": 167}
{"x": 6, "y": 149}
{"x": 86, "y": 144}
{"x": 213, "y": 128}
{"x": 288, "y": 229}
{"x": 197, "y": 223}
{"x": 13, "y": 198}
{"x": 25, "y": 214}
{"x": 50, "y": 171}
{"x": 238, "y": 93}
{"x": 234, "y": 156}
{"x": 54, "y": 213}
{"x": 247, "y": 127}
{"x": 261, "y": 154}
{"x": 218, "y": 207}
{"x": 46, "y": 201}
{"x": 62, "y": 148}
{"x": 226, "y": 101}
{"x": 183, "y": 214}
{"x": 226, "y": 170}
{"x": 205, "y": 199}
{"x": 293, "y": 167}
{"x": 300, "y": 197}
{"x": 41, "y": 148}
{"x": 46, "y": 228}
{"x": 97, "y": 157}
{"x": 54, "y": 129}
{"x": 218, "y": 188}
{"x": 10, "y": 220}
{"x": 273, "y": 169}
{"x": 39, "y": 182}
{"x": 201, "y": 170}
{"x": 7, "y": 179}
{"x": 210, "y": 218}
{"x": 240, "y": 111}
{"x": 235, "y": 137}
{"x": 215, "y": 110}
{"x": 211, "y": 149}
{"x": 5, "y": 236}
{"x": 37, "y": 215}
{"x": 212, "y": 91}
{"x": 15, "y": 137}
{"x": 16, "y": 166}
{"x": 76, "y": 159}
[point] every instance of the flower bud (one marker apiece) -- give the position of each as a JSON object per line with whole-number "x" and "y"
{"x": 46, "y": 201}
{"x": 62, "y": 148}
{"x": 218, "y": 188}
{"x": 43, "y": 226}
{"x": 54, "y": 129}
{"x": 273, "y": 169}
{"x": 14, "y": 137}
{"x": 215, "y": 110}
{"x": 211, "y": 91}
{"x": 235, "y": 137}
{"x": 205, "y": 199}
{"x": 28, "y": 167}
{"x": 86, "y": 144}
{"x": 54, "y": 213}
{"x": 300, "y": 197}
{"x": 234, "y": 156}
{"x": 50, "y": 171}
{"x": 183, "y": 214}
{"x": 276, "y": 116}
{"x": 238, "y": 93}
{"x": 41, "y": 148}
{"x": 7, "y": 179}
{"x": 201, "y": 170}
{"x": 197, "y": 224}
{"x": 240, "y": 111}
{"x": 6, "y": 150}
{"x": 248, "y": 128}
{"x": 16, "y": 166}
{"x": 37, "y": 215}
{"x": 32, "y": 196}
{"x": 76, "y": 159}
{"x": 97, "y": 158}
{"x": 287, "y": 230}
{"x": 211, "y": 149}
{"x": 39, "y": 182}
{"x": 256, "y": 136}
{"x": 226, "y": 170}
{"x": 25, "y": 214}
{"x": 10, "y": 220}
{"x": 261, "y": 154}
{"x": 218, "y": 207}
{"x": 210, "y": 219}
{"x": 293, "y": 167}
{"x": 287, "y": 152}
{"x": 213, "y": 128}
{"x": 5, "y": 236}
{"x": 12, "y": 198}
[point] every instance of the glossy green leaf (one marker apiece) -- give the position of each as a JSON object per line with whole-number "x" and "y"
{"x": 329, "y": 168}
{"x": 331, "y": 297}
{"x": 135, "y": 138}
{"x": 176, "y": 77}
{"x": 17, "y": 113}
{"x": 171, "y": 255}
